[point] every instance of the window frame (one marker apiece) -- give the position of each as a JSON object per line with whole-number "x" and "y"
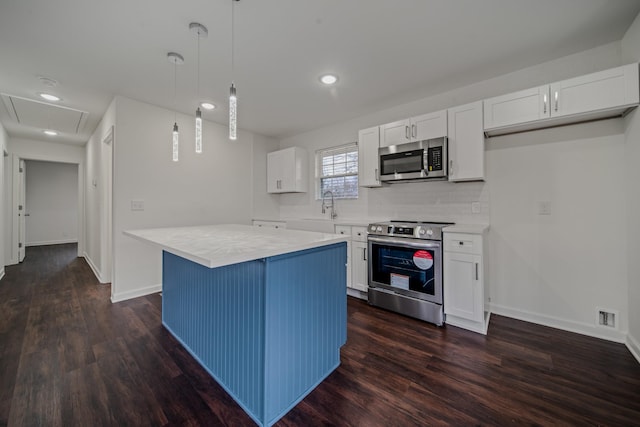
{"x": 351, "y": 147}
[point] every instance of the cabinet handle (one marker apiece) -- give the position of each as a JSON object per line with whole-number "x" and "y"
{"x": 555, "y": 95}
{"x": 544, "y": 99}
{"x": 406, "y": 132}
{"x": 364, "y": 254}
{"x": 476, "y": 271}
{"x": 414, "y": 131}
{"x": 450, "y": 167}
{"x": 377, "y": 175}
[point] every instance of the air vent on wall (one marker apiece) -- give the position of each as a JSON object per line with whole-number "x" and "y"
{"x": 42, "y": 115}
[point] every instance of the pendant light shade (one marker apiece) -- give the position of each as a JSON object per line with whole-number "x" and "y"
{"x": 233, "y": 106}
{"x": 176, "y": 142}
{"x": 198, "y": 131}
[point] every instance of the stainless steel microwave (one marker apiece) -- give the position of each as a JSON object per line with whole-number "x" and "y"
{"x": 414, "y": 161}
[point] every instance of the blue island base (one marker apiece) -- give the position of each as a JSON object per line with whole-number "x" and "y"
{"x": 268, "y": 331}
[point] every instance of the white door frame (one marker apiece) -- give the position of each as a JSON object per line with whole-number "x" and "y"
{"x": 106, "y": 231}
{"x": 15, "y": 160}
{"x": 22, "y": 209}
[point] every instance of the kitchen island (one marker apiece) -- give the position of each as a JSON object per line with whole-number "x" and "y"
{"x": 262, "y": 310}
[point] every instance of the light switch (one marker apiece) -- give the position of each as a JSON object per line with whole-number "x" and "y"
{"x": 137, "y": 205}
{"x": 475, "y": 207}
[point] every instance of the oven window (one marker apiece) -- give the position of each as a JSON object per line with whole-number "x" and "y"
{"x": 408, "y": 161}
{"x": 404, "y": 268}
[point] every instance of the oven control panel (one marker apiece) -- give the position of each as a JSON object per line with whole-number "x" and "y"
{"x": 413, "y": 230}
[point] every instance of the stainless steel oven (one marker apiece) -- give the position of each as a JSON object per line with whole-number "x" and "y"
{"x": 405, "y": 268}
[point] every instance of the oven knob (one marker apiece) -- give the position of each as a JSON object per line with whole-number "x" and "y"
{"x": 429, "y": 232}
{"x": 379, "y": 229}
{"x": 372, "y": 228}
{"x": 422, "y": 231}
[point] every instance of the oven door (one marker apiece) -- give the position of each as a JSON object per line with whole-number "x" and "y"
{"x": 409, "y": 267}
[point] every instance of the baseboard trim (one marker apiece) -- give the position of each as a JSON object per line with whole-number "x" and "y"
{"x": 51, "y": 242}
{"x": 123, "y": 296}
{"x": 94, "y": 268}
{"x": 555, "y": 322}
{"x": 634, "y": 346}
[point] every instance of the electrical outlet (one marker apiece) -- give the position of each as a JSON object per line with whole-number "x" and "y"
{"x": 544, "y": 208}
{"x": 137, "y": 205}
{"x": 475, "y": 207}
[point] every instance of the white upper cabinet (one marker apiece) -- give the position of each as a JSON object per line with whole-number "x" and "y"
{"x": 466, "y": 143}
{"x": 598, "y": 95}
{"x": 609, "y": 89}
{"x": 519, "y": 107}
{"x": 287, "y": 171}
{"x": 418, "y": 128}
{"x": 368, "y": 164}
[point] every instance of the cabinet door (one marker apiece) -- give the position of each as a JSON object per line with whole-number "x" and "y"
{"x": 288, "y": 170}
{"x": 368, "y": 163}
{"x": 274, "y": 169}
{"x": 517, "y": 107}
{"x": 395, "y": 133}
{"x": 427, "y": 126}
{"x": 463, "y": 286}
{"x": 597, "y": 91}
{"x": 466, "y": 143}
{"x": 359, "y": 266}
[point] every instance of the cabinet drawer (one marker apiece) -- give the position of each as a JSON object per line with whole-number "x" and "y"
{"x": 343, "y": 229}
{"x": 359, "y": 234}
{"x": 463, "y": 243}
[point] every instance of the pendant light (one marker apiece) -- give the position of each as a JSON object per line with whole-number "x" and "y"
{"x": 233, "y": 99}
{"x": 176, "y": 59}
{"x": 201, "y": 31}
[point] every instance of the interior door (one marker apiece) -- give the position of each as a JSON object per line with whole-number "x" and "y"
{"x": 22, "y": 172}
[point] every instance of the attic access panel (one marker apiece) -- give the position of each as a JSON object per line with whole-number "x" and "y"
{"x": 42, "y": 115}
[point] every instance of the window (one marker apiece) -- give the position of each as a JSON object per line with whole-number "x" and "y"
{"x": 337, "y": 171}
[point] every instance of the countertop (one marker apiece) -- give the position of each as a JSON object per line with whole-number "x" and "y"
{"x": 225, "y": 244}
{"x": 466, "y": 228}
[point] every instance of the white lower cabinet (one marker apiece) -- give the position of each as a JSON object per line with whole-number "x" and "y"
{"x": 357, "y": 274}
{"x": 464, "y": 283}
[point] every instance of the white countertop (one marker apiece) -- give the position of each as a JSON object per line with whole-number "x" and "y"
{"x": 466, "y": 228}
{"x": 225, "y": 244}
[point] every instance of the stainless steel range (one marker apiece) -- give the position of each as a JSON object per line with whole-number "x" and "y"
{"x": 405, "y": 268}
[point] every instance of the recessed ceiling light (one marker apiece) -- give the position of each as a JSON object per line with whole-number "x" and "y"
{"x": 49, "y": 97}
{"x": 207, "y": 106}
{"x": 329, "y": 79}
{"x": 50, "y": 132}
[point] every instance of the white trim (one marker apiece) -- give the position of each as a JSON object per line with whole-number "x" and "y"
{"x": 136, "y": 293}
{"x": 634, "y": 347}
{"x": 93, "y": 267}
{"x": 51, "y": 242}
{"x": 2, "y": 273}
{"x": 564, "y": 324}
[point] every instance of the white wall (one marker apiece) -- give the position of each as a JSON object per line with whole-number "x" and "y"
{"x": 540, "y": 267}
{"x": 3, "y": 203}
{"x": 96, "y": 253}
{"x": 631, "y": 52}
{"x": 215, "y": 186}
{"x": 44, "y": 151}
{"x": 51, "y": 203}
{"x": 265, "y": 205}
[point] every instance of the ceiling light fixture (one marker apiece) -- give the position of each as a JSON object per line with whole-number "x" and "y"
{"x": 207, "y": 105}
{"x": 176, "y": 59}
{"x": 329, "y": 79}
{"x": 47, "y": 81}
{"x": 50, "y": 132}
{"x": 233, "y": 99}
{"x": 49, "y": 97}
{"x": 201, "y": 31}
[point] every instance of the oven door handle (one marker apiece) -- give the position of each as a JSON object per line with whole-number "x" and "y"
{"x": 423, "y": 244}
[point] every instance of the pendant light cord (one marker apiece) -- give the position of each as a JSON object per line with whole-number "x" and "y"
{"x": 198, "y": 72}
{"x": 233, "y": 6}
{"x": 175, "y": 84}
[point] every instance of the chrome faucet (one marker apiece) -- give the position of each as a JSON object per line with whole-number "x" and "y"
{"x": 332, "y": 205}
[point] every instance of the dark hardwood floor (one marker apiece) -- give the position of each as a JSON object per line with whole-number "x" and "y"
{"x": 68, "y": 357}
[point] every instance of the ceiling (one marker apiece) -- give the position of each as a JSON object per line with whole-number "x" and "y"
{"x": 385, "y": 52}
